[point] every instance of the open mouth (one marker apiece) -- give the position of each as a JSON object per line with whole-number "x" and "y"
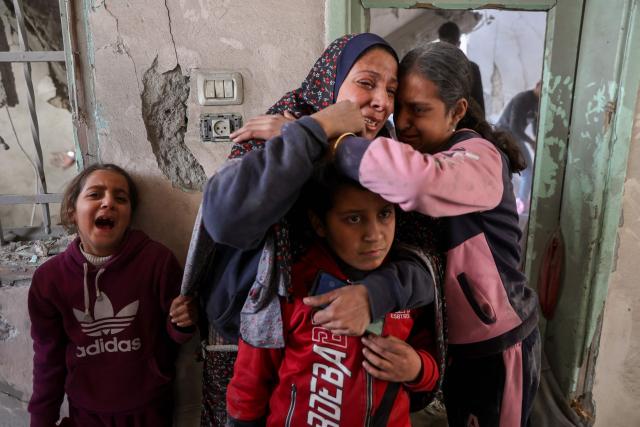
{"x": 371, "y": 123}
{"x": 104, "y": 223}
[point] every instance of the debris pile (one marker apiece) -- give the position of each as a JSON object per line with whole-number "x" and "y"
{"x": 18, "y": 260}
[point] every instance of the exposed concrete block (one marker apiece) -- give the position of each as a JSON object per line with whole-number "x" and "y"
{"x": 7, "y": 331}
{"x": 164, "y": 111}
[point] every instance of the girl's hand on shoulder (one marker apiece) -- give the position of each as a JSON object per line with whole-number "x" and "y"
{"x": 390, "y": 359}
{"x": 339, "y": 118}
{"x": 183, "y": 311}
{"x": 262, "y": 127}
{"x": 347, "y": 311}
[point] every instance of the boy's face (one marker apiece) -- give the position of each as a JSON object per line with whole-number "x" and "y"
{"x": 359, "y": 228}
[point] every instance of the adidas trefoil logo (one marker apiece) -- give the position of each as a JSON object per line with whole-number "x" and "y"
{"x": 104, "y": 322}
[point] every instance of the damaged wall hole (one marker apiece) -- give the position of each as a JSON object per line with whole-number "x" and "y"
{"x": 164, "y": 112}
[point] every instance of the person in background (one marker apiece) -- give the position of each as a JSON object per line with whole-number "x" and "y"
{"x": 450, "y": 32}
{"x": 520, "y": 113}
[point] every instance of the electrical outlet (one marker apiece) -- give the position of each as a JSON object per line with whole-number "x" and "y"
{"x": 221, "y": 128}
{"x": 218, "y": 127}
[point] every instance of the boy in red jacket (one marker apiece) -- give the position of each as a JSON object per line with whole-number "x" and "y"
{"x": 334, "y": 380}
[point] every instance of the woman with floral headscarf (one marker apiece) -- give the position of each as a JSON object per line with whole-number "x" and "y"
{"x": 246, "y": 203}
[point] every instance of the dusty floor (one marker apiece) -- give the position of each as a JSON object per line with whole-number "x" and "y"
{"x": 13, "y": 412}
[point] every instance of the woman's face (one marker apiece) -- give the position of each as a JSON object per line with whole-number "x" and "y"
{"x": 372, "y": 83}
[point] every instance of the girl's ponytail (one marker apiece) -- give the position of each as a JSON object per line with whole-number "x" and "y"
{"x": 474, "y": 119}
{"x": 448, "y": 68}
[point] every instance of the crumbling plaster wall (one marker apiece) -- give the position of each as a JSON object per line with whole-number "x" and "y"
{"x": 140, "y": 64}
{"x": 271, "y": 43}
{"x": 617, "y": 379}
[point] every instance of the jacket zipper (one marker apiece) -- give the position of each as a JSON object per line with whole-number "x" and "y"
{"x": 292, "y": 405}
{"x": 367, "y": 420}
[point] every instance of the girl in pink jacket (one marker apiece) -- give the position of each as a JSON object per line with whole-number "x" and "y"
{"x": 452, "y": 165}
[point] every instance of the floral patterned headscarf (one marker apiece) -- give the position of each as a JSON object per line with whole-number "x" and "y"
{"x": 318, "y": 90}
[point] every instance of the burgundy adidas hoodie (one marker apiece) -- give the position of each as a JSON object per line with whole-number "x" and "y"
{"x": 103, "y": 335}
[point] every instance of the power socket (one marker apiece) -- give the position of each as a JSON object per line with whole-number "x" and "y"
{"x": 221, "y": 128}
{"x": 218, "y": 127}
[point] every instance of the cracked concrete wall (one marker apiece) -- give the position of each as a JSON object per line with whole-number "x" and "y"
{"x": 140, "y": 60}
{"x": 271, "y": 43}
{"x": 164, "y": 111}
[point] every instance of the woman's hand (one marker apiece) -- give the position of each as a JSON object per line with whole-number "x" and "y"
{"x": 262, "y": 127}
{"x": 348, "y": 311}
{"x": 339, "y": 118}
{"x": 183, "y": 311}
{"x": 390, "y": 359}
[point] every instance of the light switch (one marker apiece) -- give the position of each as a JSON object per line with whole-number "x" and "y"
{"x": 219, "y": 87}
{"x": 209, "y": 89}
{"x": 228, "y": 88}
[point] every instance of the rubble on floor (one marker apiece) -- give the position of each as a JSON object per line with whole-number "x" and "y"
{"x": 18, "y": 260}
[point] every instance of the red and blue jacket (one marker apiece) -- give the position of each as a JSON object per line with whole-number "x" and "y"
{"x": 318, "y": 378}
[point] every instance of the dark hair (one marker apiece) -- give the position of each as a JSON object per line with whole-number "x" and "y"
{"x": 319, "y": 192}
{"x": 448, "y": 68}
{"x": 72, "y": 192}
{"x": 449, "y": 32}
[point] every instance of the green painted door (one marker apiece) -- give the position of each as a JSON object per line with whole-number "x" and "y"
{"x": 590, "y": 88}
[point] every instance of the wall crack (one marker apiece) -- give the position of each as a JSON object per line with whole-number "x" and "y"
{"x": 121, "y": 47}
{"x": 175, "y": 51}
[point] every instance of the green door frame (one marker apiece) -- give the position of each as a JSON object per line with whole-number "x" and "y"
{"x": 581, "y": 163}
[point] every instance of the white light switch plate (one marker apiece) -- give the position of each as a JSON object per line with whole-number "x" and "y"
{"x": 219, "y": 87}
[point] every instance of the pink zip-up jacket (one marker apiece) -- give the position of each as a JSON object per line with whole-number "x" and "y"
{"x": 468, "y": 185}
